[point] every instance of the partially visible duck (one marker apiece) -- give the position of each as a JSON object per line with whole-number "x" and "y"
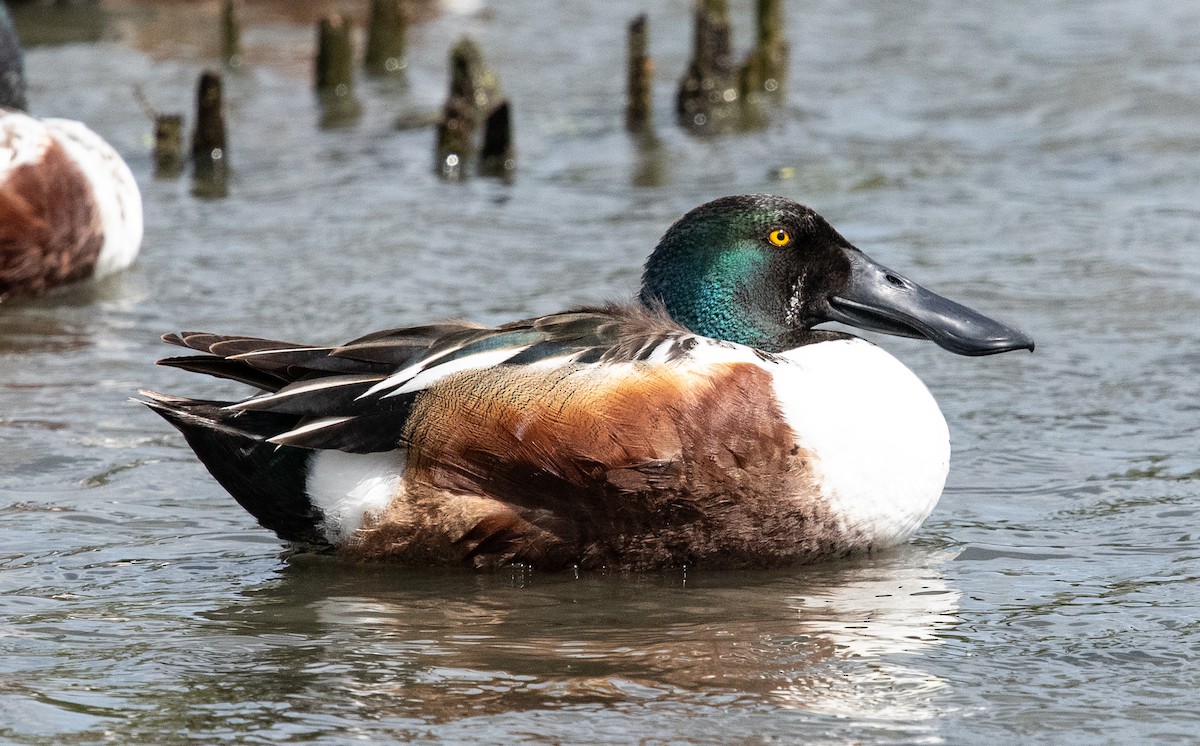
{"x": 707, "y": 423}
{"x": 70, "y": 208}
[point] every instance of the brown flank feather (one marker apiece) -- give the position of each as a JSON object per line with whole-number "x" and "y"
{"x": 50, "y": 232}
{"x": 660, "y": 466}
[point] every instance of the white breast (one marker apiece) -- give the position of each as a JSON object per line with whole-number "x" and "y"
{"x": 881, "y": 445}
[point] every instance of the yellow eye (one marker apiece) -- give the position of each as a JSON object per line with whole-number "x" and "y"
{"x": 779, "y": 237}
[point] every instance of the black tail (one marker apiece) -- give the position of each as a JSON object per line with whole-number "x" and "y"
{"x": 267, "y": 480}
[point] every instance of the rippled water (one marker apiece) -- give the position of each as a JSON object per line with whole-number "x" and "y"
{"x": 1037, "y": 160}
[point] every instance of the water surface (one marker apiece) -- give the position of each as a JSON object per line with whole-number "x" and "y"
{"x": 1038, "y": 161}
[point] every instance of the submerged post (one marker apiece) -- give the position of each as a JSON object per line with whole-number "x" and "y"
{"x": 707, "y": 102}
{"x": 640, "y": 74}
{"x": 210, "y": 156}
{"x": 385, "y": 38}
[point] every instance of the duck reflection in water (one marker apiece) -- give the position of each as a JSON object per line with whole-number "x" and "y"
{"x": 839, "y": 640}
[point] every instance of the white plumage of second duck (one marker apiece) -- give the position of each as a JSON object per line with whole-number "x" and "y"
{"x": 70, "y": 208}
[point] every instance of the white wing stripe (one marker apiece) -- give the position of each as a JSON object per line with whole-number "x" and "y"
{"x": 470, "y": 362}
{"x": 313, "y": 426}
{"x": 277, "y": 350}
{"x": 303, "y": 388}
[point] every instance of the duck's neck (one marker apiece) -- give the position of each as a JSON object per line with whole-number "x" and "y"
{"x": 717, "y": 295}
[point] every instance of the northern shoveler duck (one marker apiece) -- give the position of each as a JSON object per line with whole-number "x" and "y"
{"x": 706, "y": 423}
{"x": 70, "y": 208}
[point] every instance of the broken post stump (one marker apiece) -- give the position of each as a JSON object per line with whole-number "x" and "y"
{"x": 168, "y": 145}
{"x": 707, "y": 102}
{"x": 231, "y": 36}
{"x": 763, "y": 77}
{"x": 210, "y": 155}
{"x": 385, "y": 38}
{"x": 497, "y": 157}
{"x": 474, "y": 96}
{"x": 640, "y": 75}
{"x": 334, "y": 72}
{"x": 335, "y": 55}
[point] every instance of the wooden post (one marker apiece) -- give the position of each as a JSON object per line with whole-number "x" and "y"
{"x": 210, "y": 154}
{"x": 385, "y": 38}
{"x": 707, "y": 102}
{"x": 335, "y": 56}
{"x": 334, "y": 73}
{"x": 497, "y": 157}
{"x": 640, "y": 75}
{"x": 168, "y": 145}
{"x": 763, "y": 77}
{"x": 474, "y": 92}
{"x": 231, "y": 36}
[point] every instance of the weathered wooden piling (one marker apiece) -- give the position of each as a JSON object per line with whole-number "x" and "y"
{"x": 497, "y": 157}
{"x": 335, "y": 56}
{"x": 638, "y": 109}
{"x": 707, "y": 102}
{"x": 385, "y": 38}
{"x": 168, "y": 145}
{"x": 231, "y": 36}
{"x": 763, "y": 77}
{"x": 454, "y": 135}
{"x": 334, "y": 72}
{"x": 210, "y": 154}
{"x": 474, "y": 94}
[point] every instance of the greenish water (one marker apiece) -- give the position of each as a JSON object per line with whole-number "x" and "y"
{"x": 1039, "y": 161}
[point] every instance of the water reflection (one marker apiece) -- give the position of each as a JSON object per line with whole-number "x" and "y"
{"x": 875, "y": 619}
{"x": 842, "y": 640}
{"x": 651, "y": 164}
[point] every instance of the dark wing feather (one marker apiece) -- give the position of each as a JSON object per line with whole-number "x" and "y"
{"x": 347, "y": 397}
{"x": 234, "y": 370}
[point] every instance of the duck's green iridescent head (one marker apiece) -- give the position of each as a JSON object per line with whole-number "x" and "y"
{"x": 763, "y": 271}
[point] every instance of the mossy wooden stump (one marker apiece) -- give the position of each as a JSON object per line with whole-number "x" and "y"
{"x": 640, "y": 75}
{"x": 707, "y": 102}
{"x": 385, "y": 38}
{"x": 476, "y": 124}
{"x": 168, "y": 145}
{"x": 210, "y": 153}
{"x": 334, "y": 72}
{"x": 762, "y": 79}
{"x": 231, "y": 36}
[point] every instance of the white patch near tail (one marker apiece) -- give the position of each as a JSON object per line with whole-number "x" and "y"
{"x": 349, "y": 487}
{"x": 113, "y": 187}
{"x": 881, "y": 445}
